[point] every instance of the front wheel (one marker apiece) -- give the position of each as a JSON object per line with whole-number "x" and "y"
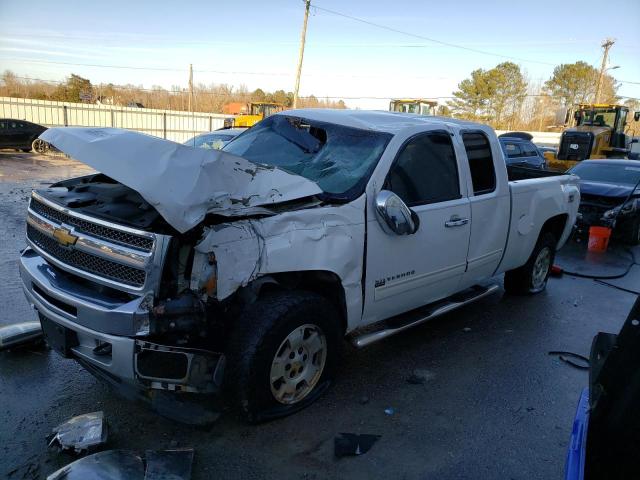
{"x": 39, "y": 146}
{"x": 282, "y": 354}
{"x": 532, "y": 276}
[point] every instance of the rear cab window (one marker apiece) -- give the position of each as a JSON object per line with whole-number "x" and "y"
{"x": 529, "y": 150}
{"x": 512, "y": 149}
{"x": 483, "y": 173}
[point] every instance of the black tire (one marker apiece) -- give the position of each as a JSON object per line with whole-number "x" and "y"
{"x": 521, "y": 281}
{"x": 259, "y": 334}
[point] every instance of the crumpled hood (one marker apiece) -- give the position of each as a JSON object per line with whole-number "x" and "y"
{"x": 605, "y": 189}
{"x": 183, "y": 183}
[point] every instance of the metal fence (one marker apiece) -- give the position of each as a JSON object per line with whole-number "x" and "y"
{"x": 170, "y": 124}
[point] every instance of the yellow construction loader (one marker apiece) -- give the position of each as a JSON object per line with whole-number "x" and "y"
{"x": 592, "y": 131}
{"x": 420, "y": 106}
{"x": 248, "y": 114}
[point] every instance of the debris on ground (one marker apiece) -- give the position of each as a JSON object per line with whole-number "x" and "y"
{"x": 20, "y": 334}
{"x": 110, "y": 464}
{"x": 352, "y": 444}
{"x": 420, "y": 377}
{"x": 570, "y": 357}
{"x": 81, "y": 433}
{"x": 466, "y": 329}
{"x": 389, "y": 411}
{"x": 128, "y": 465}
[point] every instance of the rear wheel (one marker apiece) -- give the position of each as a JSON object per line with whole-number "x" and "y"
{"x": 282, "y": 354}
{"x": 532, "y": 276}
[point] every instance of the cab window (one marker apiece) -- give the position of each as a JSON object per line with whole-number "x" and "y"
{"x": 529, "y": 149}
{"x": 425, "y": 171}
{"x": 512, "y": 150}
{"x": 483, "y": 173}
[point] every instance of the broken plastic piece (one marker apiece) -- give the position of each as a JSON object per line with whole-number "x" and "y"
{"x": 351, "y": 444}
{"x": 20, "y": 334}
{"x": 81, "y": 433}
{"x": 111, "y": 464}
{"x": 567, "y": 357}
{"x": 389, "y": 411}
{"x": 126, "y": 465}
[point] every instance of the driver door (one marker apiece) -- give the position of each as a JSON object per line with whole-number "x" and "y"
{"x": 404, "y": 272}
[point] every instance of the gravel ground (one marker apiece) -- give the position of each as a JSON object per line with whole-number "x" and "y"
{"x": 494, "y": 405}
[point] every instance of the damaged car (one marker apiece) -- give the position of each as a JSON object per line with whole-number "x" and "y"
{"x": 182, "y": 271}
{"x": 610, "y": 197}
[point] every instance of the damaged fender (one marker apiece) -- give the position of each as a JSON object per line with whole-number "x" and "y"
{"x": 329, "y": 238}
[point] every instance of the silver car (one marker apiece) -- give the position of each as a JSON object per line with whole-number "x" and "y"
{"x": 214, "y": 140}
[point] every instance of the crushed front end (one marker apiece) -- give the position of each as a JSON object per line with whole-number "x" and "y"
{"x": 114, "y": 296}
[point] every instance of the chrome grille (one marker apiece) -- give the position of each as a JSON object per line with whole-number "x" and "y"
{"x": 117, "y": 236}
{"x": 86, "y": 262}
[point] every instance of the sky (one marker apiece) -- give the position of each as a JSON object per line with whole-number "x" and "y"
{"x": 256, "y": 43}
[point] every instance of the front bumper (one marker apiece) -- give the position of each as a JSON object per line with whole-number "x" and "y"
{"x": 67, "y": 303}
{"x": 99, "y": 325}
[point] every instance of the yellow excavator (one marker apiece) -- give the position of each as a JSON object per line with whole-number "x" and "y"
{"x": 420, "y": 106}
{"x": 248, "y": 114}
{"x": 592, "y": 131}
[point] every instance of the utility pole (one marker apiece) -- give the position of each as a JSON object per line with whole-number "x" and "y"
{"x": 191, "y": 103}
{"x": 307, "y": 4}
{"x": 607, "y": 44}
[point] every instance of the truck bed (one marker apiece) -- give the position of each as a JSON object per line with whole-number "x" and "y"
{"x": 519, "y": 172}
{"x": 536, "y": 196}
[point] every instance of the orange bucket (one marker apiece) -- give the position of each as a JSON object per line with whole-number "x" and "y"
{"x": 599, "y": 239}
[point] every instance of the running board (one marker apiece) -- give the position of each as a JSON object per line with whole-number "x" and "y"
{"x": 416, "y": 317}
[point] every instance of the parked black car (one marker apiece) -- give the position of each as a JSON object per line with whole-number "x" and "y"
{"x": 19, "y": 134}
{"x": 610, "y": 196}
{"x": 520, "y": 150}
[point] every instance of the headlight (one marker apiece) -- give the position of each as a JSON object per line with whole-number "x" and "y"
{"x": 625, "y": 209}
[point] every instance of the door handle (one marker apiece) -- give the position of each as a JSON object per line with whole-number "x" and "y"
{"x": 456, "y": 221}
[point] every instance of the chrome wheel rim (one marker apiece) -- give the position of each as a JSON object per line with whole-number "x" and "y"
{"x": 298, "y": 364}
{"x": 541, "y": 268}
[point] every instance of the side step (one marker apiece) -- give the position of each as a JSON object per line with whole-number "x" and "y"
{"x": 416, "y": 317}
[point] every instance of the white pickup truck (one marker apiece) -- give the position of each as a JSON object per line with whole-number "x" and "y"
{"x": 190, "y": 271}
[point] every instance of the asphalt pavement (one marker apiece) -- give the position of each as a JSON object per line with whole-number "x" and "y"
{"x": 493, "y": 405}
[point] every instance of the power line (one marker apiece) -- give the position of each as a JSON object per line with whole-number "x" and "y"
{"x": 428, "y": 39}
{"x": 319, "y": 97}
{"x": 221, "y": 72}
{"x": 49, "y": 62}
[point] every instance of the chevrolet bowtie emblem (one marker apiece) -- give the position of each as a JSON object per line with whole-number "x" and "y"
{"x": 64, "y": 237}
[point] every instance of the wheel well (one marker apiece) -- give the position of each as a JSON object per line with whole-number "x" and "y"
{"x": 322, "y": 282}
{"x": 555, "y": 225}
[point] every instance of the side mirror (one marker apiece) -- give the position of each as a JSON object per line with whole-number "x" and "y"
{"x": 636, "y": 116}
{"x": 394, "y": 216}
